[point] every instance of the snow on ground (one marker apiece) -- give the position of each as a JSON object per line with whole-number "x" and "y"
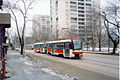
{"x": 103, "y": 49}
{"x": 30, "y": 68}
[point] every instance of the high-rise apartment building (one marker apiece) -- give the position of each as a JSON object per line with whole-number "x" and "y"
{"x": 72, "y": 18}
{"x": 41, "y": 27}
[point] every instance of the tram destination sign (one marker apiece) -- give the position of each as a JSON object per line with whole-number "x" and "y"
{"x": 5, "y": 19}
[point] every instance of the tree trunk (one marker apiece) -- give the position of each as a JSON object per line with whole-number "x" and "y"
{"x": 21, "y": 50}
{"x": 114, "y": 48}
{"x": 93, "y": 46}
{"x": 99, "y": 44}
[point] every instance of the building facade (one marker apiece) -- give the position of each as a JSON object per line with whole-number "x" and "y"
{"x": 41, "y": 27}
{"x": 72, "y": 18}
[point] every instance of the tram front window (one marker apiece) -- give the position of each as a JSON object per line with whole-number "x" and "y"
{"x": 77, "y": 44}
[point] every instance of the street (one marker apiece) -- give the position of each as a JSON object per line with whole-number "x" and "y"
{"x": 90, "y": 67}
{"x": 107, "y": 65}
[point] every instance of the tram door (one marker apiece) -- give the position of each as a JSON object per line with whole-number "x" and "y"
{"x": 41, "y": 47}
{"x": 53, "y": 48}
{"x": 67, "y": 49}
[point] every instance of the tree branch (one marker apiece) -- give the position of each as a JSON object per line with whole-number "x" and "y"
{"x": 108, "y": 20}
{"x": 15, "y": 19}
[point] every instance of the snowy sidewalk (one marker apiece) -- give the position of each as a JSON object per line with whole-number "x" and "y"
{"x": 29, "y": 68}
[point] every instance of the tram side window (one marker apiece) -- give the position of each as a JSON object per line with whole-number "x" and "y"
{"x": 45, "y": 46}
{"x": 68, "y": 45}
{"x": 42, "y": 45}
{"x": 60, "y": 45}
{"x": 50, "y": 45}
{"x": 39, "y": 45}
{"x": 36, "y": 46}
{"x": 53, "y": 45}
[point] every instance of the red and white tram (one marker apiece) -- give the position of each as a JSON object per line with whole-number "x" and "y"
{"x": 30, "y": 47}
{"x": 67, "y": 47}
{"x": 39, "y": 47}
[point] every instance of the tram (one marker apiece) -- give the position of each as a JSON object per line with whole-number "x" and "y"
{"x": 30, "y": 47}
{"x": 39, "y": 47}
{"x": 67, "y": 47}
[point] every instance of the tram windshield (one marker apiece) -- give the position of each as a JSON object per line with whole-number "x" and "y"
{"x": 77, "y": 44}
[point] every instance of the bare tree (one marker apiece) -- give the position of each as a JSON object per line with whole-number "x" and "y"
{"x": 40, "y": 33}
{"x": 36, "y": 34}
{"x": 112, "y": 22}
{"x": 10, "y": 38}
{"x": 96, "y": 27}
{"x": 69, "y": 33}
{"x": 15, "y": 8}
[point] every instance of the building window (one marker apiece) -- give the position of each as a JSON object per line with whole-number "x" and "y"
{"x": 80, "y": 11}
{"x": 67, "y": 18}
{"x": 81, "y": 23}
{"x": 72, "y": 6}
{"x": 56, "y": 18}
{"x": 88, "y": 0}
{"x": 44, "y": 29}
{"x": 66, "y": 2}
{"x": 73, "y": 14}
{"x": 88, "y": 4}
{"x": 73, "y": 18}
{"x": 80, "y": 0}
{"x": 66, "y": 10}
{"x": 74, "y": 10}
{"x": 80, "y": 7}
{"x": 73, "y": 26}
{"x": 81, "y": 19}
{"x": 67, "y": 23}
{"x": 80, "y": 3}
{"x": 80, "y": 15}
{"x": 81, "y": 27}
{"x": 73, "y": 3}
